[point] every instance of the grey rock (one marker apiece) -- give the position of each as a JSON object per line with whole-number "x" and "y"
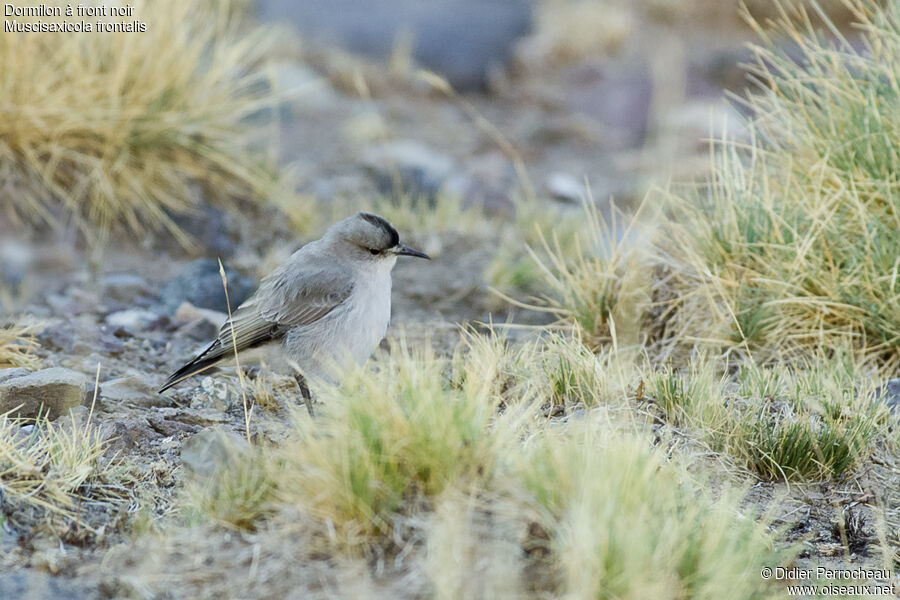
{"x": 889, "y": 393}
{"x": 33, "y": 585}
{"x": 128, "y": 435}
{"x": 618, "y": 97}
{"x": 463, "y": 40}
{"x": 109, "y": 341}
{"x": 60, "y": 336}
{"x": 200, "y": 330}
{"x": 77, "y": 416}
{"x": 201, "y": 285}
{"x": 210, "y": 227}
{"x": 210, "y": 449}
{"x": 12, "y": 373}
{"x": 123, "y": 287}
{"x": 408, "y": 168}
{"x": 134, "y": 319}
{"x": 129, "y": 390}
{"x": 487, "y": 183}
{"x": 51, "y": 392}
{"x": 171, "y": 428}
{"x": 565, "y": 187}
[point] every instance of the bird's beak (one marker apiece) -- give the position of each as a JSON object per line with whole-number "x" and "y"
{"x": 402, "y": 250}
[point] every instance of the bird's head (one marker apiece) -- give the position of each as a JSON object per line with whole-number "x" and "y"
{"x": 369, "y": 237}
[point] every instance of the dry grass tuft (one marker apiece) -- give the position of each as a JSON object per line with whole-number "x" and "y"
{"x": 599, "y": 280}
{"x": 815, "y": 421}
{"x": 389, "y": 440}
{"x": 17, "y": 346}
{"x": 793, "y": 248}
{"x": 115, "y": 128}
{"x": 239, "y": 492}
{"x": 54, "y": 466}
{"x": 622, "y": 521}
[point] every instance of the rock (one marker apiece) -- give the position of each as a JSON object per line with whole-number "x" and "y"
{"x": 50, "y": 392}
{"x": 131, "y": 390}
{"x": 128, "y": 435}
{"x": 200, "y": 323}
{"x": 408, "y": 168}
{"x": 565, "y": 187}
{"x": 12, "y": 373}
{"x": 200, "y": 330}
{"x": 133, "y": 319}
{"x": 123, "y": 287}
{"x": 109, "y": 342}
{"x": 210, "y": 449}
{"x": 201, "y": 285}
{"x": 619, "y": 98}
{"x": 188, "y": 313}
{"x": 60, "y": 336}
{"x": 76, "y": 416}
{"x": 203, "y": 417}
{"x": 463, "y": 40}
{"x": 710, "y": 71}
{"x": 889, "y": 393}
{"x": 169, "y": 428}
{"x": 208, "y": 226}
{"x": 33, "y": 585}
{"x": 487, "y": 183}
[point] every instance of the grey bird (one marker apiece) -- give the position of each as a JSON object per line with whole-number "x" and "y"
{"x": 328, "y": 305}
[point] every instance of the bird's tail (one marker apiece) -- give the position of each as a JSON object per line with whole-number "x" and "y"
{"x": 198, "y": 365}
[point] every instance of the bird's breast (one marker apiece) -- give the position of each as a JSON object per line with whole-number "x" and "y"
{"x": 348, "y": 334}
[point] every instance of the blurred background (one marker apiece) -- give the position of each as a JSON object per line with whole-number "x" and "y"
{"x": 228, "y": 124}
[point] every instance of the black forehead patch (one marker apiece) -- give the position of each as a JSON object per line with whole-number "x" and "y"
{"x": 387, "y": 228}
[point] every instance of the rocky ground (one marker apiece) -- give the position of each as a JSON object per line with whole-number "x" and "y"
{"x": 136, "y": 309}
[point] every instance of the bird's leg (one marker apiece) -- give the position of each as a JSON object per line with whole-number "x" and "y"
{"x": 304, "y": 391}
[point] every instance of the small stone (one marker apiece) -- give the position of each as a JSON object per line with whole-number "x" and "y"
{"x": 200, "y": 323}
{"x": 211, "y": 449}
{"x": 889, "y": 393}
{"x": 60, "y": 336}
{"x": 201, "y": 330}
{"x": 204, "y": 416}
{"x": 170, "y": 428}
{"x": 408, "y": 168}
{"x": 565, "y": 187}
{"x": 201, "y": 285}
{"x": 123, "y": 287}
{"x": 50, "y": 392}
{"x": 77, "y": 416}
{"x": 130, "y": 390}
{"x": 208, "y": 225}
{"x": 188, "y": 313}
{"x": 133, "y": 319}
{"x": 128, "y": 435}
{"x": 12, "y": 373}
{"x": 110, "y": 343}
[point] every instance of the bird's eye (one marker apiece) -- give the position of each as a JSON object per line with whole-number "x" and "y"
{"x": 374, "y": 252}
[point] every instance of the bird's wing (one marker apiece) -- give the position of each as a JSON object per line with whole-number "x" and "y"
{"x": 292, "y": 296}
{"x": 286, "y": 299}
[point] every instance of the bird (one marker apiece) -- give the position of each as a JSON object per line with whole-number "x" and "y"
{"x": 326, "y": 306}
